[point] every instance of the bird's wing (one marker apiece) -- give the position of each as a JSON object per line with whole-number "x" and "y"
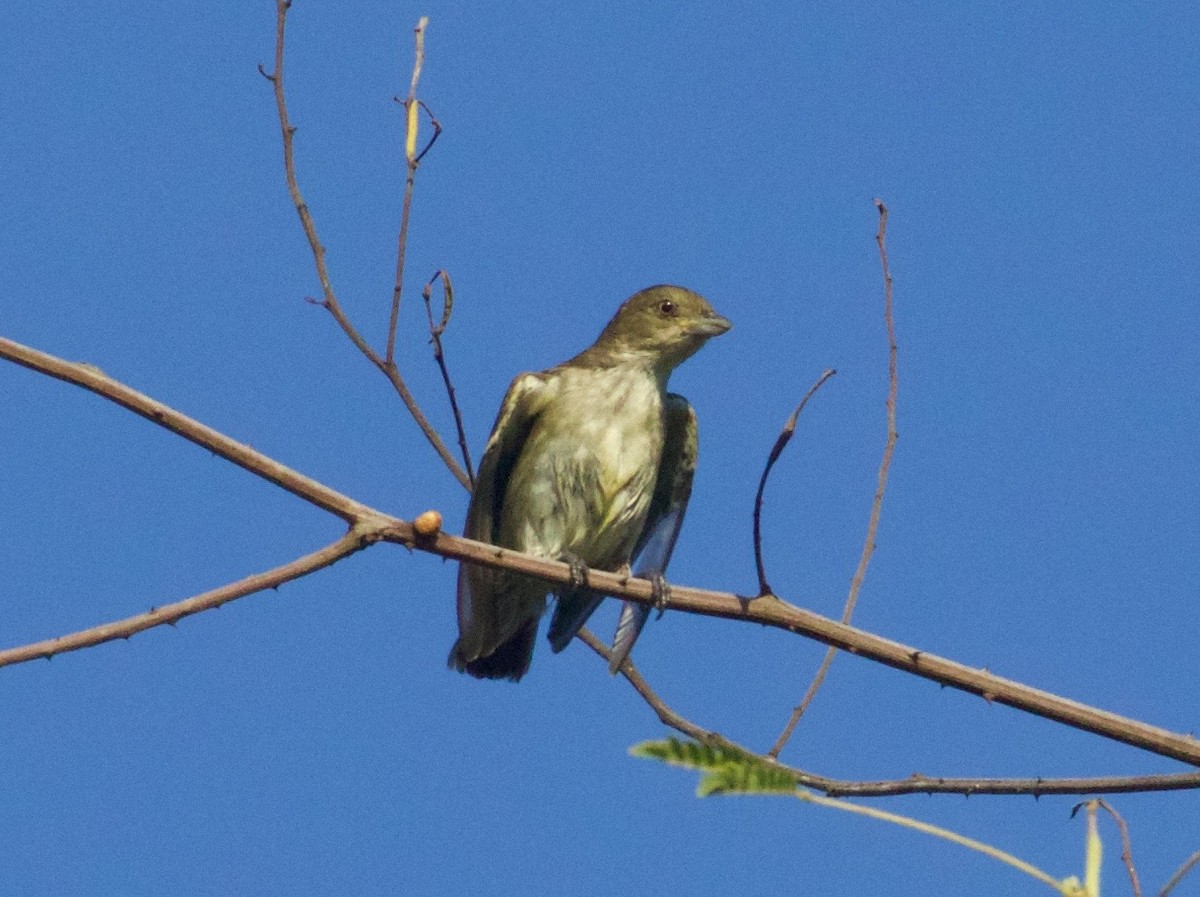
{"x": 478, "y": 623}
{"x": 672, "y": 490}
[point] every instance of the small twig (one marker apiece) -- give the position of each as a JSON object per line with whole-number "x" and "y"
{"x": 329, "y": 298}
{"x": 938, "y": 832}
{"x": 356, "y": 539}
{"x": 914, "y": 784}
{"x": 1183, "y": 870}
{"x": 665, "y": 714}
{"x": 435, "y": 337}
{"x": 785, "y": 436}
{"x": 1126, "y": 847}
{"x": 412, "y": 122}
{"x": 889, "y": 449}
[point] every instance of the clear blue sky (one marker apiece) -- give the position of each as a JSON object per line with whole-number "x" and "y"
{"x": 1041, "y": 163}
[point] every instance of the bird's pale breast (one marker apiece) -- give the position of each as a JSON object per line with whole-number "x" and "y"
{"x": 583, "y": 482}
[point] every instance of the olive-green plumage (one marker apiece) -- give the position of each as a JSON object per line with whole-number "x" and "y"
{"x": 590, "y": 461}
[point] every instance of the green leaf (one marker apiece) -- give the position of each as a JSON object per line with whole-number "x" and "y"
{"x": 727, "y": 771}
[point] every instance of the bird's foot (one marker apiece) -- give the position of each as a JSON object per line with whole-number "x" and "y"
{"x": 660, "y": 591}
{"x": 579, "y": 572}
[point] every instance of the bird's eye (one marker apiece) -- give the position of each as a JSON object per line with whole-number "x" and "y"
{"x": 667, "y": 307}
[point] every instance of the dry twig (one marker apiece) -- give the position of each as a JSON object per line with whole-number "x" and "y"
{"x": 889, "y": 449}
{"x": 439, "y": 355}
{"x": 785, "y": 436}
{"x": 329, "y": 299}
{"x": 1183, "y": 870}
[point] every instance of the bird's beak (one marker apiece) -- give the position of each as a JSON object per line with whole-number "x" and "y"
{"x": 713, "y": 325}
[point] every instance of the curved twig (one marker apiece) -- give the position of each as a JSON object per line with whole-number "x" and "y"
{"x": 889, "y": 449}
{"x": 439, "y": 355}
{"x": 1126, "y": 847}
{"x": 785, "y": 436}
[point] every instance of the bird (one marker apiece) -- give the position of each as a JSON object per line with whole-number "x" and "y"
{"x": 589, "y": 462}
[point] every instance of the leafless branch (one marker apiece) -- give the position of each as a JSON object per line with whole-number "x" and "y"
{"x": 885, "y": 464}
{"x": 785, "y": 436}
{"x": 411, "y": 126}
{"x": 357, "y": 538}
{"x": 329, "y": 298}
{"x": 766, "y": 610}
{"x": 914, "y": 784}
{"x": 435, "y": 337}
{"x": 1183, "y": 870}
{"x": 1126, "y": 847}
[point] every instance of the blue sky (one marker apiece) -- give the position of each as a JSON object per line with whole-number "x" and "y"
{"x": 1041, "y": 166}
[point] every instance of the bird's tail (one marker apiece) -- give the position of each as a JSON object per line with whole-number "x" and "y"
{"x": 629, "y": 627}
{"x": 510, "y": 659}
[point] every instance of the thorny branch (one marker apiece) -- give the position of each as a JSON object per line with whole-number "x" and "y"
{"x": 368, "y": 526}
{"x": 766, "y": 610}
{"x": 914, "y": 784}
{"x": 329, "y": 298}
{"x": 885, "y": 464}
{"x": 359, "y": 537}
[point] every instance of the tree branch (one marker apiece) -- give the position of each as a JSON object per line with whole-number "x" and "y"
{"x": 914, "y": 784}
{"x": 889, "y": 449}
{"x": 766, "y": 610}
{"x": 330, "y": 301}
{"x": 357, "y": 538}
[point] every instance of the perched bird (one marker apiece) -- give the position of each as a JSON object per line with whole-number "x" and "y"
{"x": 589, "y": 462}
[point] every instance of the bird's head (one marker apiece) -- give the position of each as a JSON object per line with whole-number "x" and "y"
{"x": 666, "y": 324}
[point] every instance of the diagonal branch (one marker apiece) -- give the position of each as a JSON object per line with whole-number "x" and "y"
{"x": 1188, "y": 864}
{"x": 95, "y": 380}
{"x": 357, "y": 538}
{"x": 766, "y": 610}
{"x": 914, "y": 784}
{"x": 329, "y": 299}
{"x": 889, "y": 449}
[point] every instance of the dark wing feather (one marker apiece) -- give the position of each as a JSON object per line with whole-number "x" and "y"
{"x": 481, "y": 624}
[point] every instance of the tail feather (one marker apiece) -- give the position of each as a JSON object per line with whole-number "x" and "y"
{"x": 570, "y": 613}
{"x": 629, "y": 627}
{"x": 510, "y": 660}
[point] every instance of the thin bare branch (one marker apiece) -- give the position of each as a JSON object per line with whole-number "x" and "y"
{"x": 329, "y": 298}
{"x": 766, "y": 610}
{"x": 412, "y": 121}
{"x": 95, "y": 380}
{"x": 914, "y": 784}
{"x": 785, "y": 436}
{"x": 1188, "y": 864}
{"x": 435, "y": 337}
{"x": 885, "y": 464}
{"x": 357, "y": 538}
{"x": 1126, "y": 847}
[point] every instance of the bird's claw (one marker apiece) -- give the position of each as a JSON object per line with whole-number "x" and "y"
{"x": 579, "y": 572}
{"x": 660, "y": 591}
